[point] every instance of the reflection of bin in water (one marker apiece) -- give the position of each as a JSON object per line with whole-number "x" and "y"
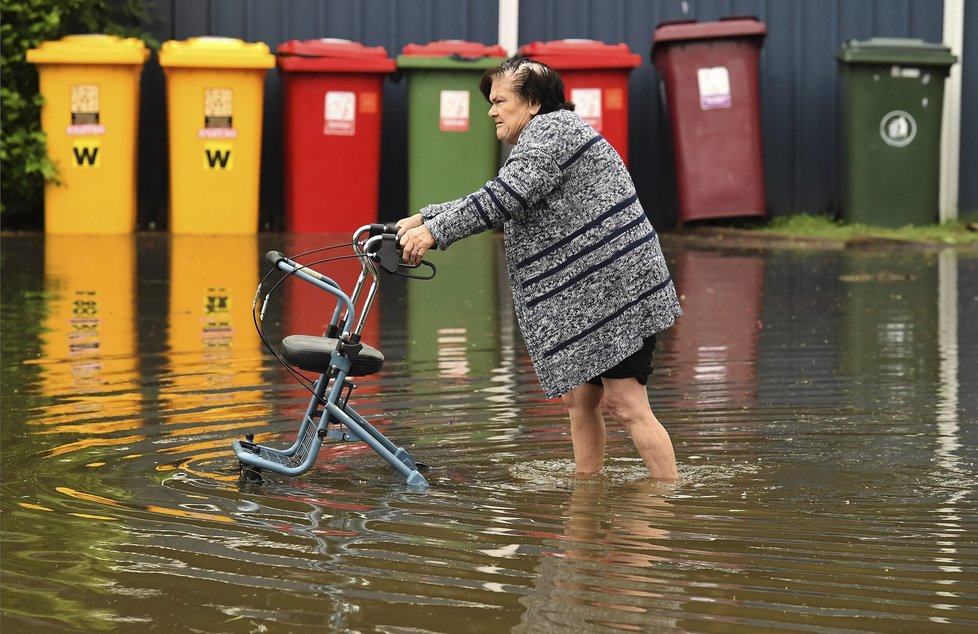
{"x": 307, "y": 309}
{"x": 215, "y": 88}
{"x": 89, "y": 339}
{"x": 214, "y": 353}
{"x": 90, "y": 116}
{"x": 890, "y": 329}
{"x": 716, "y": 350}
{"x": 453, "y": 321}
{"x": 333, "y": 92}
{"x": 595, "y": 77}
{"x": 452, "y": 146}
{"x": 709, "y": 74}
{"x": 893, "y": 93}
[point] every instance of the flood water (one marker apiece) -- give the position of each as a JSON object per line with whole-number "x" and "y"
{"x": 823, "y": 405}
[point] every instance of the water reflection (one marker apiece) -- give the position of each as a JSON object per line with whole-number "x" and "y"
{"x": 462, "y": 341}
{"x": 822, "y": 403}
{"x": 603, "y": 570}
{"x": 213, "y": 384}
{"x": 89, "y": 373}
{"x": 716, "y": 351}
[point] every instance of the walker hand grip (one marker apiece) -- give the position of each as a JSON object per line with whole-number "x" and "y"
{"x": 383, "y": 229}
{"x": 274, "y": 257}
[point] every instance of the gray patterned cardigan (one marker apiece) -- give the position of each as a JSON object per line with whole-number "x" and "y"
{"x": 588, "y": 276}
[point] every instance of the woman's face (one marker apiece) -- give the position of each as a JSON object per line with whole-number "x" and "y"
{"x": 509, "y": 111}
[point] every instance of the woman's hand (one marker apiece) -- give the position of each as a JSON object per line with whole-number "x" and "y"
{"x": 408, "y": 223}
{"x": 414, "y": 238}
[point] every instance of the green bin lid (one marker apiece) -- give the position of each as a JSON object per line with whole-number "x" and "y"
{"x": 895, "y": 50}
{"x": 451, "y": 54}
{"x": 89, "y": 49}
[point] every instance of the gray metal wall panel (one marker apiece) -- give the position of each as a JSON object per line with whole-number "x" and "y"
{"x": 799, "y": 80}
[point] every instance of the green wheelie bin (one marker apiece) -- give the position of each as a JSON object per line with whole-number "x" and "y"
{"x": 892, "y": 97}
{"x": 452, "y": 146}
{"x": 452, "y": 151}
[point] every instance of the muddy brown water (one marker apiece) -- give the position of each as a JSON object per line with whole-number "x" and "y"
{"x": 823, "y": 405}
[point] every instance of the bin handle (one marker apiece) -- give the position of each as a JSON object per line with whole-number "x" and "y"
{"x": 458, "y": 57}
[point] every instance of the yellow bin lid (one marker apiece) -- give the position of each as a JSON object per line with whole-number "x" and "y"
{"x": 90, "y": 49}
{"x": 215, "y": 52}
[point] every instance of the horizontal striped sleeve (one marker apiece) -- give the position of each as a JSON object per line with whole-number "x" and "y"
{"x": 495, "y": 201}
{"x": 512, "y": 192}
{"x": 482, "y": 212}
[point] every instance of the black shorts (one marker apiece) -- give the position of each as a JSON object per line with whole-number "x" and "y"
{"x": 638, "y": 365}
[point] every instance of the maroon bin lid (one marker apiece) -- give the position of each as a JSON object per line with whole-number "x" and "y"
{"x": 330, "y": 54}
{"x": 571, "y": 54}
{"x": 443, "y": 48}
{"x": 669, "y": 32}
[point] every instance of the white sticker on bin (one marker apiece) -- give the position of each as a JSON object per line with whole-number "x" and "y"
{"x": 587, "y": 104}
{"x": 453, "y": 111}
{"x": 714, "y": 85}
{"x": 340, "y": 113}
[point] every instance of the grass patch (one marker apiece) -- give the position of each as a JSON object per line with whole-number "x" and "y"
{"x": 961, "y": 231}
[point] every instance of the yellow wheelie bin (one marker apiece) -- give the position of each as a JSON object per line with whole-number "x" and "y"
{"x": 90, "y": 85}
{"x": 215, "y": 88}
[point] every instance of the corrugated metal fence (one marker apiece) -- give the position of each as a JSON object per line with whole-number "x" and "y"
{"x": 799, "y": 80}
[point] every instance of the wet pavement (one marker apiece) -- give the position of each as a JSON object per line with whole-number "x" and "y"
{"x": 823, "y": 404}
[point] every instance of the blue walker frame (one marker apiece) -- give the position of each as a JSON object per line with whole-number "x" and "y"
{"x": 334, "y": 356}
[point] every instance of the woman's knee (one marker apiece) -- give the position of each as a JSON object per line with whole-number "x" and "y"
{"x": 584, "y": 396}
{"x": 625, "y": 402}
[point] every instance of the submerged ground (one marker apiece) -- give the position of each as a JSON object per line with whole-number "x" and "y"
{"x": 823, "y": 404}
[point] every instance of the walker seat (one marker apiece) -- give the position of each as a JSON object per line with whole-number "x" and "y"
{"x": 336, "y": 356}
{"x": 315, "y": 354}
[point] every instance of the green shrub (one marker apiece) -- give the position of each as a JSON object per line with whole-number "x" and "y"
{"x": 24, "y": 164}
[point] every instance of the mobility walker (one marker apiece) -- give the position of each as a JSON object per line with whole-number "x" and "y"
{"x": 336, "y": 356}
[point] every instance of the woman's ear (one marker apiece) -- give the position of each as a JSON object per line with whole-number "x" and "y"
{"x": 535, "y": 108}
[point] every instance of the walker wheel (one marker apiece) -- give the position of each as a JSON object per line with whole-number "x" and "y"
{"x": 250, "y": 474}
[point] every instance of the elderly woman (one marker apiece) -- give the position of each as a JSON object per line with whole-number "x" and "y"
{"x": 590, "y": 285}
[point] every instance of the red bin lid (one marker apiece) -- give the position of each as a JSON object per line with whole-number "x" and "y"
{"x": 572, "y": 54}
{"x": 443, "y": 48}
{"x": 331, "y": 54}
{"x": 693, "y": 30}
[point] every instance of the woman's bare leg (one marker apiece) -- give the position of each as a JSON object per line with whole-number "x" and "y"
{"x": 628, "y": 403}
{"x": 587, "y": 427}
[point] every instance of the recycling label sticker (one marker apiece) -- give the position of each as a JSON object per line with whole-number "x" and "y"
{"x": 898, "y": 128}
{"x": 587, "y": 102}
{"x": 453, "y": 113}
{"x": 714, "y": 86}
{"x": 339, "y": 113}
{"x": 218, "y": 114}
{"x": 85, "y": 110}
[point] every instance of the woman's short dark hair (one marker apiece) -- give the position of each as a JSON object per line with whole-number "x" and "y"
{"x": 534, "y": 81}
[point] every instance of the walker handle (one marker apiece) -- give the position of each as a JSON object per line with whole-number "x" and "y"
{"x": 377, "y": 229}
{"x": 274, "y": 257}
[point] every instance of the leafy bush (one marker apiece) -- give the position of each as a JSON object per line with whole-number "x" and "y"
{"x": 24, "y": 164}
